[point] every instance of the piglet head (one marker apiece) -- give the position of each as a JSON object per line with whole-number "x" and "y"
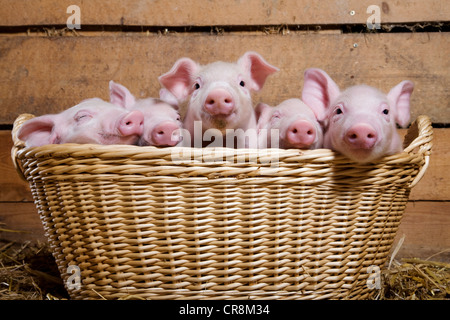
{"x": 219, "y": 93}
{"x": 360, "y": 122}
{"x": 292, "y": 121}
{"x": 91, "y": 121}
{"x": 162, "y": 125}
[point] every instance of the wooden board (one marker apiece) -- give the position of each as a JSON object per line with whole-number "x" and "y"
{"x": 218, "y": 12}
{"x": 23, "y": 221}
{"x": 12, "y": 188}
{"x": 48, "y": 74}
{"x": 435, "y": 184}
{"x": 425, "y": 226}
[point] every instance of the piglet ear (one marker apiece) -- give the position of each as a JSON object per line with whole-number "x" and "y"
{"x": 169, "y": 98}
{"x": 263, "y": 113}
{"x": 38, "y": 131}
{"x": 179, "y": 79}
{"x": 319, "y": 91}
{"x": 257, "y": 68}
{"x": 399, "y": 99}
{"x": 120, "y": 96}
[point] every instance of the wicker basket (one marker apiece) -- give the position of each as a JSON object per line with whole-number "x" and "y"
{"x": 219, "y": 223}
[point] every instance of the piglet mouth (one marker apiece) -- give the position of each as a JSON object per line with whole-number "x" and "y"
{"x": 303, "y": 146}
{"x": 362, "y": 147}
{"x": 111, "y": 138}
{"x": 220, "y": 121}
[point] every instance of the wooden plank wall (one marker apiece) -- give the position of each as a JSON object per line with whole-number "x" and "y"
{"x": 45, "y": 68}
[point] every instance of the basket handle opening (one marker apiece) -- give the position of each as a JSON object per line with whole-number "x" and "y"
{"x": 419, "y": 135}
{"x": 421, "y": 172}
{"x": 419, "y": 140}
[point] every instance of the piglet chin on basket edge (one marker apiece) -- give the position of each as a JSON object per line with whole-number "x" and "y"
{"x": 91, "y": 121}
{"x": 359, "y": 122}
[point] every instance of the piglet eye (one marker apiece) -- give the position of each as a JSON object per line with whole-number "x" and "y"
{"x": 338, "y": 111}
{"x": 197, "y": 86}
{"x": 386, "y": 111}
{"x": 81, "y": 116}
{"x": 242, "y": 84}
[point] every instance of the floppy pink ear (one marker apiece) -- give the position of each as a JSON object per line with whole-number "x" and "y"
{"x": 319, "y": 91}
{"x": 38, "y": 131}
{"x": 179, "y": 79}
{"x": 257, "y": 68}
{"x": 120, "y": 95}
{"x": 263, "y": 113}
{"x": 399, "y": 98}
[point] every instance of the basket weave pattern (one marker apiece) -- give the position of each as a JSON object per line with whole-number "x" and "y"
{"x": 222, "y": 223}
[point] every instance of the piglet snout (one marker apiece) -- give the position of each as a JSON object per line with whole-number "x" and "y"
{"x": 361, "y": 136}
{"x": 132, "y": 123}
{"x": 166, "y": 134}
{"x": 301, "y": 133}
{"x": 219, "y": 102}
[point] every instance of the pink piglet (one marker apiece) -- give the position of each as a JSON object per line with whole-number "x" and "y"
{"x": 162, "y": 123}
{"x": 359, "y": 122}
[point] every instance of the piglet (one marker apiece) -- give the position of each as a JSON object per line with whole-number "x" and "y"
{"x": 162, "y": 124}
{"x": 91, "y": 121}
{"x": 291, "y": 124}
{"x": 360, "y": 122}
{"x": 219, "y": 97}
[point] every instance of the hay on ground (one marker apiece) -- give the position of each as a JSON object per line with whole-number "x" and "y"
{"x": 416, "y": 279}
{"x": 29, "y": 272}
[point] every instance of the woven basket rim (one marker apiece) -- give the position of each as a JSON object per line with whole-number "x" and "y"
{"x": 220, "y": 162}
{"x": 422, "y": 136}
